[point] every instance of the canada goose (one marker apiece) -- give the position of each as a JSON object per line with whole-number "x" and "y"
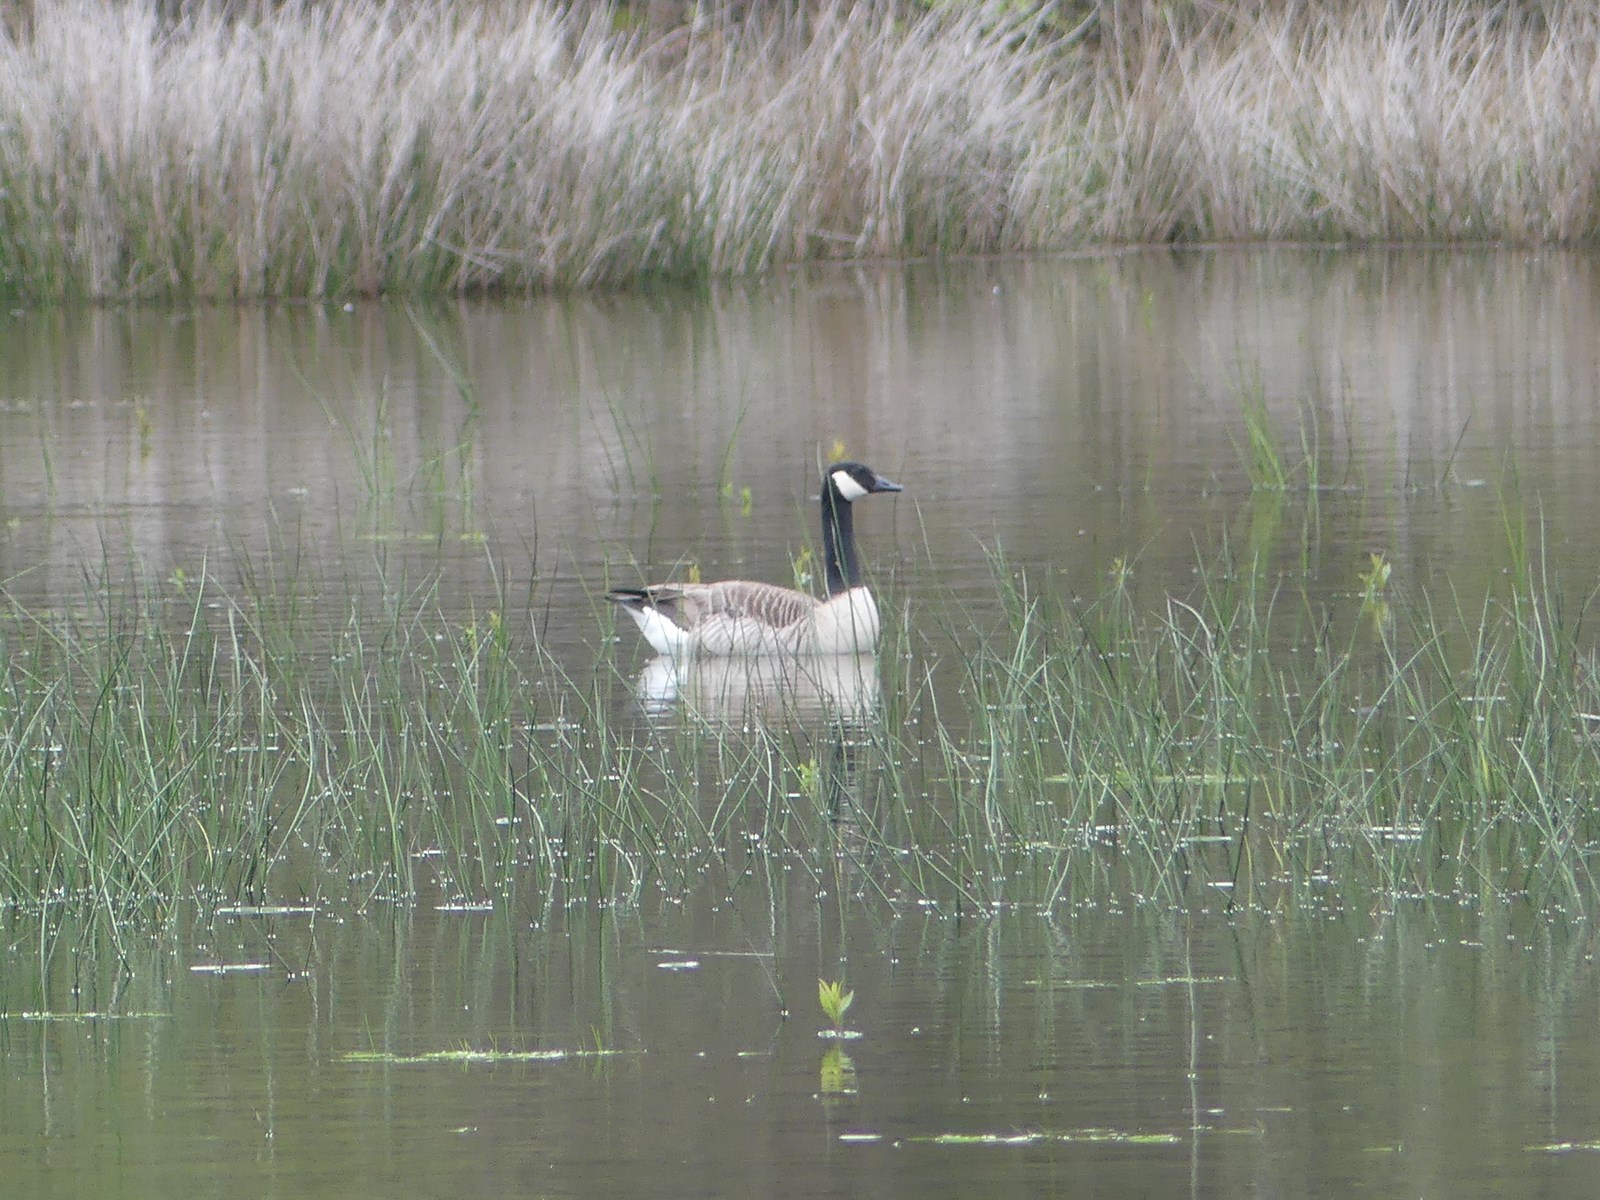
{"x": 736, "y": 616}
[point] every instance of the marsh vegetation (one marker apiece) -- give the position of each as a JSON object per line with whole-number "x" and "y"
{"x": 207, "y": 741}
{"x": 1215, "y": 816}
{"x": 391, "y": 699}
{"x": 422, "y": 146}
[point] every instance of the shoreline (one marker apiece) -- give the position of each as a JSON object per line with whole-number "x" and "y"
{"x": 361, "y": 149}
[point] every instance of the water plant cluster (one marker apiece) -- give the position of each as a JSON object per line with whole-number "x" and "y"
{"x": 168, "y": 743}
{"x": 362, "y": 146}
{"x": 1251, "y": 740}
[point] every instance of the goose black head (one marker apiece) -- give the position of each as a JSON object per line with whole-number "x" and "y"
{"x": 850, "y": 481}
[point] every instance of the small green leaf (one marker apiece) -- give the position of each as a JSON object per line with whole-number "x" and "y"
{"x": 834, "y": 999}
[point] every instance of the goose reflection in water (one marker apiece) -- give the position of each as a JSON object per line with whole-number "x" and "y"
{"x": 842, "y": 689}
{"x": 834, "y": 697}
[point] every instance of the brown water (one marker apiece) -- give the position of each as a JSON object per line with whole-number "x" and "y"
{"x": 1418, "y": 1053}
{"x": 1071, "y": 412}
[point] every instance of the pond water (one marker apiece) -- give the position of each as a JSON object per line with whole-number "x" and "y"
{"x": 1151, "y": 412}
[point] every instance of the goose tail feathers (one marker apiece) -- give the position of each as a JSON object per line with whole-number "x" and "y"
{"x": 651, "y": 610}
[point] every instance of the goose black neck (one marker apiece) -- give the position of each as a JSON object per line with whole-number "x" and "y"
{"x": 838, "y": 542}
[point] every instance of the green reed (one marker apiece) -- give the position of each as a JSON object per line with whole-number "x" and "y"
{"x": 166, "y": 743}
{"x": 1405, "y": 747}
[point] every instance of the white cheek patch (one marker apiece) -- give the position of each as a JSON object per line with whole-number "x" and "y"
{"x": 845, "y": 484}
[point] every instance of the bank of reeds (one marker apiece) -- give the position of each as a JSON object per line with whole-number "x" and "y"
{"x": 1273, "y": 749}
{"x": 360, "y": 147}
{"x": 167, "y": 744}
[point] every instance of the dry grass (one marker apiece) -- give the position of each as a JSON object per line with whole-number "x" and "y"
{"x": 1369, "y": 122}
{"x": 355, "y": 146}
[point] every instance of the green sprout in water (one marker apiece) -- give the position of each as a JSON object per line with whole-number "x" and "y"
{"x": 492, "y": 630}
{"x": 802, "y": 569}
{"x": 809, "y": 778}
{"x": 1120, "y": 573}
{"x": 1263, "y": 457}
{"x": 1374, "y": 581}
{"x": 747, "y": 500}
{"x": 1373, "y": 601}
{"x": 835, "y": 1001}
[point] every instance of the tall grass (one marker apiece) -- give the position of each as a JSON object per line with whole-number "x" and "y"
{"x": 167, "y": 744}
{"x": 358, "y": 147}
{"x": 1391, "y": 747}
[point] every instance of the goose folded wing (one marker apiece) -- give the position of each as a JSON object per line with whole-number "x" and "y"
{"x": 742, "y": 600}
